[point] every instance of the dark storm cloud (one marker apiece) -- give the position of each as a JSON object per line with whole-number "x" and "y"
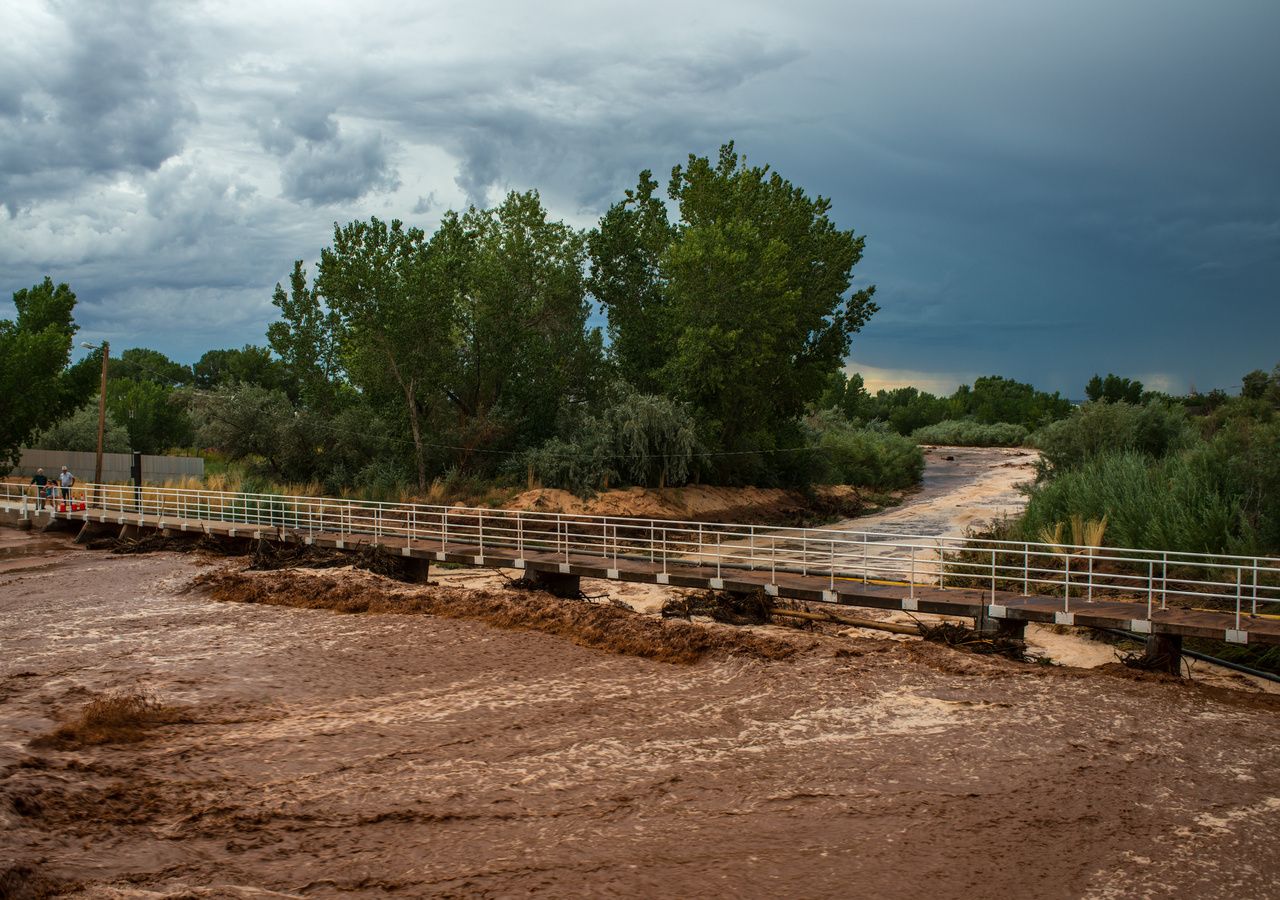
{"x": 1047, "y": 189}
{"x": 337, "y": 169}
{"x": 574, "y": 126}
{"x": 107, "y": 100}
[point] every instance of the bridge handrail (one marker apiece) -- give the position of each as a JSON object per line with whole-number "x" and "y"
{"x": 937, "y": 560}
{"x": 790, "y": 532}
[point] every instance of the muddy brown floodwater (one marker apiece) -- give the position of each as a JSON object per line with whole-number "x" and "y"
{"x": 329, "y": 755}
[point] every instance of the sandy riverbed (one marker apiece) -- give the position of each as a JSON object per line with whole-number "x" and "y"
{"x": 362, "y": 755}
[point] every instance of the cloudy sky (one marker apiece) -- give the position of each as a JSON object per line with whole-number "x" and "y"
{"x": 1048, "y": 189}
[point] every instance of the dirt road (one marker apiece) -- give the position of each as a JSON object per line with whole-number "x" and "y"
{"x": 336, "y": 755}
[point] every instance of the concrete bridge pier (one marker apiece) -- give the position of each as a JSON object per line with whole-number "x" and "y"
{"x": 91, "y": 530}
{"x": 985, "y": 623}
{"x": 417, "y": 568}
{"x": 1164, "y": 653}
{"x": 130, "y": 532}
{"x": 558, "y": 584}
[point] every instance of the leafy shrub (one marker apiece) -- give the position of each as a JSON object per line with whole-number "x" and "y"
{"x": 962, "y": 433}
{"x": 79, "y": 431}
{"x": 864, "y": 456}
{"x": 1093, "y": 429}
{"x": 1217, "y": 497}
{"x": 640, "y": 439}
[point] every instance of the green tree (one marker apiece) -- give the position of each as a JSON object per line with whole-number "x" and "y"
{"x": 1254, "y": 385}
{"x": 143, "y": 364}
{"x": 250, "y": 364}
{"x": 848, "y": 394}
{"x": 396, "y": 330}
{"x": 745, "y": 311}
{"x": 626, "y": 253}
{"x": 308, "y": 339}
{"x": 1114, "y": 389}
{"x": 154, "y": 415}
{"x": 79, "y": 431}
{"x": 517, "y": 294}
{"x": 37, "y": 386}
{"x": 997, "y": 399}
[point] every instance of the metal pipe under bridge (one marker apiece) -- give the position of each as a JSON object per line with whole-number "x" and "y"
{"x": 1166, "y": 595}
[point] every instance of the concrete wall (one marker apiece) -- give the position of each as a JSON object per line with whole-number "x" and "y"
{"x": 115, "y": 466}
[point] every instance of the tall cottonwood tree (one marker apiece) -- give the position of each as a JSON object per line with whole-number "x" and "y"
{"x": 36, "y": 383}
{"x": 742, "y": 306}
{"x": 626, "y": 253}
{"x": 394, "y": 333}
{"x": 522, "y": 350}
{"x": 308, "y": 340}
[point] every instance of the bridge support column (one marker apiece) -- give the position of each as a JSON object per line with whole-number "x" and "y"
{"x": 130, "y": 532}
{"x": 558, "y": 584}
{"x": 51, "y": 523}
{"x": 1164, "y": 653}
{"x": 1014, "y": 629}
{"x": 417, "y": 569}
{"x": 91, "y": 530}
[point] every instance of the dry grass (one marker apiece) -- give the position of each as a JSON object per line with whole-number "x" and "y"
{"x": 585, "y": 624}
{"x": 114, "y": 718}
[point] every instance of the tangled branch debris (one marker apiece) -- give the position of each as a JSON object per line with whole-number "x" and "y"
{"x": 113, "y": 718}
{"x": 758, "y": 608}
{"x": 269, "y": 556}
{"x": 962, "y": 637}
{"x": 721, "y": 606}
{"x": 586, "y": 624}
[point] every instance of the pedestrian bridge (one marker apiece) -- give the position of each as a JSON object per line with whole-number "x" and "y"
{"x": 1000, "y": 584}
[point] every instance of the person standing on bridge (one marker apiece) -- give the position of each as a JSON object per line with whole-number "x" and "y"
{"x": 41, "y": 481}
{"x": 65, "y": 481}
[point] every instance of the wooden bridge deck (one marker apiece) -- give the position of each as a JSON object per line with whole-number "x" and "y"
{"x": 964, "y": 602}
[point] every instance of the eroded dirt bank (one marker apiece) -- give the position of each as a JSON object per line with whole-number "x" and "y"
{"x": 330, "y": 754}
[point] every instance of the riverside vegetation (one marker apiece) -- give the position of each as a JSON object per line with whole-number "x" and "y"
{"x": 466, "y": 364}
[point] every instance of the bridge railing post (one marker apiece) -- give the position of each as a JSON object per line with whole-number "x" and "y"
{"x": 1066, "y": 584}
{"x": 911, "y": 591}
{"x": 1151, "y": 585}
{"x": 1164, "y": 579}
{"x": 1255, "y": 587}
{"x": 1026, "y": 569}
{"x": 1090, "y": 552}
{"x": 993, "y": 574}
{"x": 1239, "y": 588}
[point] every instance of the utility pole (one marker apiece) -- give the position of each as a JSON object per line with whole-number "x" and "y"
{"x": 102, "y": 412}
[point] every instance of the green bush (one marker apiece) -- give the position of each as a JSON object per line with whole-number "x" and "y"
{"x": 639, "y": 439}
{"x": 962, "y": 433}
{"x": 1221, "y": 496}
{"x": 1094, "y": 429}
{"x": 864, "y": 456}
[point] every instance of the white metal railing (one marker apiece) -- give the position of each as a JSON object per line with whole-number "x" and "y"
{"x": 1245, "y": 585}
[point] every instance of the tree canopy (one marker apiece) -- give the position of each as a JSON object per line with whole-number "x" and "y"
{"x": 38, "y": 387}
{"x": 741, "y": 307}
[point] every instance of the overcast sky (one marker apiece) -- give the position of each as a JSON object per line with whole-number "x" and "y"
{"x": 1047, "y": 189}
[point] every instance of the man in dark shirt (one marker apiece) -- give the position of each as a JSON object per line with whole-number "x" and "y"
{"x": 40, "y": 480}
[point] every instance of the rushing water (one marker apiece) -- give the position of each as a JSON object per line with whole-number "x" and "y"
{"x": 357, "y": 755}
